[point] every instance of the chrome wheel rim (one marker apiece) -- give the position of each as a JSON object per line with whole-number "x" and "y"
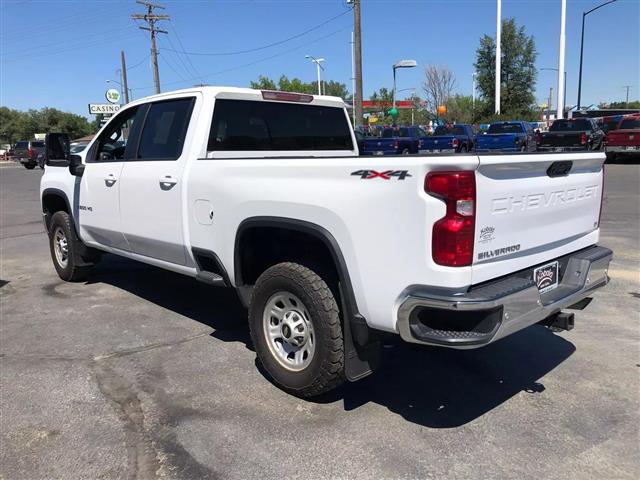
{"x": 288, "y": 331}
{"x": 61, "y": 247}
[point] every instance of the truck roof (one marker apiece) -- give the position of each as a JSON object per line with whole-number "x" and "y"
{"x": 238, "y": 93}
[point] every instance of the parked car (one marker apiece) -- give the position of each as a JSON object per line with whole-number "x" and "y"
{"x": 264, "y": 192}
{"x": 27, "y": 152}
{"x": 572, "y": 134}
{"x": 394, "y": 141}
{"x": 513, "y": 136}
{"x": 625, "y": 139}
{"x": 450, "y": 139}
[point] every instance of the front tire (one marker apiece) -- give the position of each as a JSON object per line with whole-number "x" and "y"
{"x": 295, "y": 328}
{"x": 65, "y": 249}
{"x": 406, "y": 151}
{"x": 29, "y": 166}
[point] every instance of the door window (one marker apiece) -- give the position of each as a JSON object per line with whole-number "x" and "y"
{"x": 165, "y": 129}
{"x": 112, "y": 143}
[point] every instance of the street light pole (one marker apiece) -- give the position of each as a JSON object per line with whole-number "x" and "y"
{"x": 401, "y": 64}
{"x": 584, "y": 14}
{"x": 473, "y": 96}
{"x": 564, "y": 92}
{"x": 498, "y": 56}
{"x": 561, "y": 79}
{"x": 318, "y": 67}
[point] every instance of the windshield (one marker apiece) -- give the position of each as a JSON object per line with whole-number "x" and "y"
{"x": 22, "y": 145}
{"x": 570, "y": 126}
{"x": 37, "y": 144}
{"x": 77, "y": 147}
{"x": 505, "y": 128}
{"x": 630, "y": 123}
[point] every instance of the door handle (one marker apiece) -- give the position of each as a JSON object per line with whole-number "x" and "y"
{"x": 167, "y": 181}
{"x": 110, "y": 179}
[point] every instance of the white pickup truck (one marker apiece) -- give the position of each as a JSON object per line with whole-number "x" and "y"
{"x": 265, "y": 192}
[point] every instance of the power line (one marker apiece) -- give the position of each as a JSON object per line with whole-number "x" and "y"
{"x": 238, "y": 67}
{"x": 139, "y": 63}
{"x": 195, "y": 70}
{"x": 298, "y": 35}
{"x": 179, "y": 58}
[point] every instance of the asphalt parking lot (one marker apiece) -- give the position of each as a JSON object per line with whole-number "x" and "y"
{"x": 142, "y": 373}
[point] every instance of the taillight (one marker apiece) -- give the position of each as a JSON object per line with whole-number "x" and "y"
{"x": 538, "y": 139}
{"x": 455, "y": 143}
{"x": 452, "y": 236}
{"x": 583, "y": 138}
{"x": 30, "y": 152}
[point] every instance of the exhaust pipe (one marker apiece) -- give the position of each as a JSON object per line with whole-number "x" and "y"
{"x": 559, "y": 322}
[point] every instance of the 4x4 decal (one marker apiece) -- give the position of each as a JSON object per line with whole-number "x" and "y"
{"x": 386, "y": 175}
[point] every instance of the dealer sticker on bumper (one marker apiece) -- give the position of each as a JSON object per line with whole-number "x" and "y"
{"x": 546, "y": 277}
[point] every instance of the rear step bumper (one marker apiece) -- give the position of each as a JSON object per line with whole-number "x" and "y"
{"x": 499, "y": 308}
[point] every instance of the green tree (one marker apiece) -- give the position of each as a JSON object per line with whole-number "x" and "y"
{"x": 623, "y": 105}
{"x": 285, "y": 84}
{"x": 460, "y": 109}
{"x": 518, "y": 72}
{"x": 17, "y": 125}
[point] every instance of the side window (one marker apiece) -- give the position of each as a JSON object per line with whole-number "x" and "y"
{"x": 165, "y": 129}
{"x": 112, "y": 143}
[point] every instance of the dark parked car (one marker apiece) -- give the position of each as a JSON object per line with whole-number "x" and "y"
{"x": 573, "y": 134}
{"x": 515, "y": 136}
{"x": 394, "y": 141}
{"x": 449, "y": 139}
{"x": 26, "y": 152}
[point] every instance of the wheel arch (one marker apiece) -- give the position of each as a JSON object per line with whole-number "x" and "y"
{"x": 54, "y": 200}
{"x": 362, "y": 348}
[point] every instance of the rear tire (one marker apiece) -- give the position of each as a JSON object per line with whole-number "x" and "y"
{"x": 406, "y": 151}
{"x": 296, "y": 331}
{"x": 65, "y": 249}
{"x": 29, "y": 166}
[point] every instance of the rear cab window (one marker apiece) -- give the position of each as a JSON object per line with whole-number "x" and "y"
{"x": 505, "y": 128}
{"x": 263, "y": 126}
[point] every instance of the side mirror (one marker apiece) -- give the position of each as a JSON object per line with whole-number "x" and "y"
{"x": 56, "y": 149}
{"x": 76, "y": 167}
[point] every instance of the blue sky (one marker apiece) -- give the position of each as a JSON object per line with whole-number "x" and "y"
{"x": 59, "y": 53}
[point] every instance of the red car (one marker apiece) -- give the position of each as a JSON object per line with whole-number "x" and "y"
{"x": 625, "y": 139}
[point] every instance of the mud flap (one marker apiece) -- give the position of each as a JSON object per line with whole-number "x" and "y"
{"x": 362, "y": 348}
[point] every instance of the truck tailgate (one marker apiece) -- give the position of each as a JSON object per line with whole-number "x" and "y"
{"x": 529, "y": 210}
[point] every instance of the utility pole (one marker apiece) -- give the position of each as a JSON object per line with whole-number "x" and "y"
{"x": 353, "y": 82}
{"x": 498, "y": 55}
{"x": 151, "y": 20}
{"x": 549, "y": 105}
{"x": 627, "y": 87}
{"x": 561, "y": 79}
{"x": 357, "y": 32}
{"x": 124, "y": 77}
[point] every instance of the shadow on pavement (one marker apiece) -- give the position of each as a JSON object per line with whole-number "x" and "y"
{"x": 432, "y": 387}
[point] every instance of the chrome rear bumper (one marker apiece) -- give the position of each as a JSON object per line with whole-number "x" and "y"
{"x": 499, "y": 308}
